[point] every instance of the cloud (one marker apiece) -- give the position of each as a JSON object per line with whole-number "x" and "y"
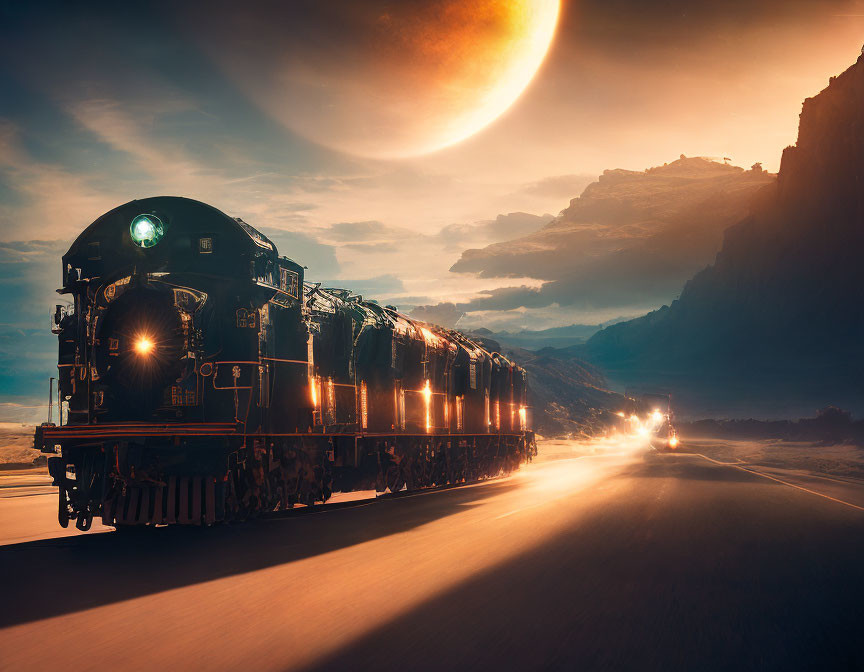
{"x": 298, "y": 207}
{"x": 558, "y": 186}
{"x": 443, "y": 314}
{"x": 29, "y": 274}
{"x": 47, "y": 198}
{"x": 375, "y": 287}
{"x": 591, "y": 289}
{"x": 640, "y": 278}
{"x": 372, "y": 248}
{"x": 359, "y": 232}
{"x": 549, "y": 317}
{"x": 132, "y": 130}
{"x": 507, "y": 298}
{"x": 27, "y": 361}
{"x": 319, "y": 258}
{"x": 503, "y": 227}
{"x": 516, "y": 319}
{"x": 374, "y": 235}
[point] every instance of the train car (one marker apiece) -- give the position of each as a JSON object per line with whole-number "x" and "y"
{"x": 202, "y": 379}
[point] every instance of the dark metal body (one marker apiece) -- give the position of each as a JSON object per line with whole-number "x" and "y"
{"x": 260, "y": 391}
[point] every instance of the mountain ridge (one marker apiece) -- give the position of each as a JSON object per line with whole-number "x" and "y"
{"x": 775, "y": 322}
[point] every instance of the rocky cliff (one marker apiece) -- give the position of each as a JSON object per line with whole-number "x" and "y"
{"x": 776, "y": 324}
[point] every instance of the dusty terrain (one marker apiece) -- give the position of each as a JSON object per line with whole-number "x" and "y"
{"x": 841, "y": 460}
{"x": 16, "y": 446}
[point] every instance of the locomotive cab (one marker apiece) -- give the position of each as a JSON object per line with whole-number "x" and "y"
{"x": 153, "y": 284}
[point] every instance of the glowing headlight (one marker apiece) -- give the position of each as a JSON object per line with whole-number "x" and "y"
{"x": 144, "y": 346}
{"x": 146, "y": 230}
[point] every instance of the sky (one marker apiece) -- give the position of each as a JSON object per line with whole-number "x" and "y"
{"x": 321, "y": 123}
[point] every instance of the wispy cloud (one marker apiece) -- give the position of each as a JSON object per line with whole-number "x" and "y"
{"x": 165, "y": 162}
{"x": 49, "y": 199}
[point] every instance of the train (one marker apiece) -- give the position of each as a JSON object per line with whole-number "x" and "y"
{"x": 203, "y": 380}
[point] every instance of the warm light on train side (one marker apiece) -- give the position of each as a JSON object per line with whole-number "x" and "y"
{"x": 429, "y": 337}
{"x": 313, "y": 391}
{"x": 427, "y": 398}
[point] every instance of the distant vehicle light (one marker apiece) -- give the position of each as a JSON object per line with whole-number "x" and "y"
{"x": 673, "y": 441}
{"x": 146, "y": 230}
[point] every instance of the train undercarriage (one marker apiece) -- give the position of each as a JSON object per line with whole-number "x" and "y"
{"x": 204, "y": 480}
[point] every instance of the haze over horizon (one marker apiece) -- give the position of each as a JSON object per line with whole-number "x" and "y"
{"x": 102, "y": 107}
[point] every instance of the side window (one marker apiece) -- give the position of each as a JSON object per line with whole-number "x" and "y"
{"x": 262, "y": 271}
{"x": 289, "y": 282}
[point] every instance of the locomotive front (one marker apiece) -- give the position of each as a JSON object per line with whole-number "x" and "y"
{"x": 153, "y": 287}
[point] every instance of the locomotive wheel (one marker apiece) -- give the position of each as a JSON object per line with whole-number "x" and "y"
{"x": 412, "y": 470}
{"x": 63, "y": 516}
{"x": 84, "y": 521}
{"x": 393, "y": 479}
{"x": 63, "y": 508}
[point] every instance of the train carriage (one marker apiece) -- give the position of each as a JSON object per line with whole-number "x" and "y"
{"x": 203, "y": 379}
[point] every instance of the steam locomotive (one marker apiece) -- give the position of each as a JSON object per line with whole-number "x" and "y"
{"x": 201, "y": 379}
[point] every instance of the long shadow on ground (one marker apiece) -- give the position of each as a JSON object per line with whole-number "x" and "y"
{"x": 56, "y": 576}
{"x": 676, "y": 575}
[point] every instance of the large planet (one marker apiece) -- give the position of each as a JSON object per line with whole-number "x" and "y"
{"x": 383, "y": 79}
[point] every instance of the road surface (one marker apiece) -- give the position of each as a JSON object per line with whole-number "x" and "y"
{"x": 607, "y": 561}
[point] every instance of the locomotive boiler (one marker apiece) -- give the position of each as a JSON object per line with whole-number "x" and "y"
{"x": 202, "y": 379}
